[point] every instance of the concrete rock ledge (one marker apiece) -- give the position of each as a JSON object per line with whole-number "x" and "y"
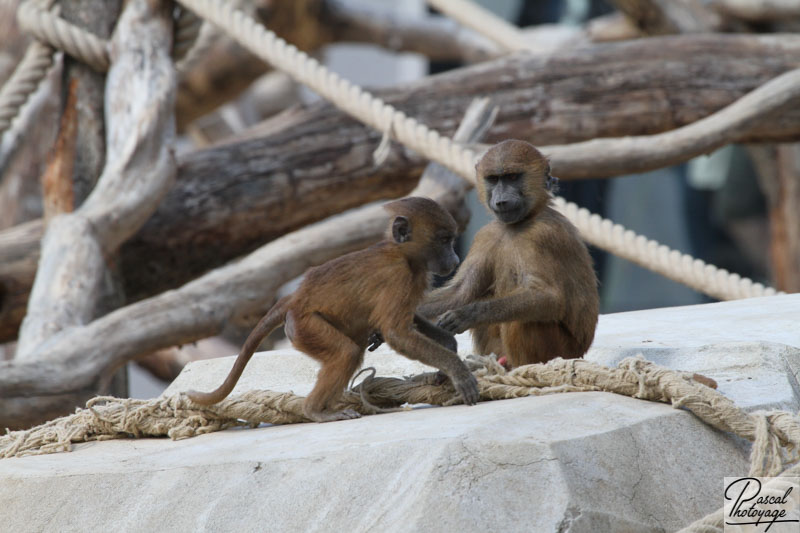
{"x": 576, "y": 462}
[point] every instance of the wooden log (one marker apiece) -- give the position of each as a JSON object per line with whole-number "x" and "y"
{"x": 308, "y": 164}
{"x": 666, "y": 17}
{"x": 303, "y": 166}
{"x": 761, "y": 11}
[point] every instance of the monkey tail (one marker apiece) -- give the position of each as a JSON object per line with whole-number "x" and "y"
{"x": 274, "y": 318}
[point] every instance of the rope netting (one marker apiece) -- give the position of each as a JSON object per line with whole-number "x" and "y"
{"x": 37, "y": 17}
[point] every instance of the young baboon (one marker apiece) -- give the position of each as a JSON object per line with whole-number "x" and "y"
{"x": 527, "y": 288}
{"x": 340, "y": 303}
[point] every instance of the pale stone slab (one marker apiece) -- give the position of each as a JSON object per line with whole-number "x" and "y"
{"x": 578, "y": 462}
{"x": 774, "y": 319}
{"x": 755, "y": 375}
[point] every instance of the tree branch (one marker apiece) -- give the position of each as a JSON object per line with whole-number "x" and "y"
{"x": 436, "y": 37}
{"x": 614, "y": 157}
{"x": 139, "y": 170}
{"x": 763, "y": 10}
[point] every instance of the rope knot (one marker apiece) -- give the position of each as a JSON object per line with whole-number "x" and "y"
{"x": 766, "y": 457}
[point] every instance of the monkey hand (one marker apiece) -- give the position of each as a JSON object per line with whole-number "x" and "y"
{"x": 375, "y": 340}
{"x": 466, "y": 385}
{"x": 454, "y": 321}
{"x": 450, "y": 343}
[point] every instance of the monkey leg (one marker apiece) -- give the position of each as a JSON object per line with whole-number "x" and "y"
{"x": 486, "y": 340}
{"x": 340, "y": 358}
{"x": 537, "y": 342}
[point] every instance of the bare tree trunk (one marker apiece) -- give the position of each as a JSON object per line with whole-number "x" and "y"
{"x": 138, "y": 172}
{"x": 779, "y": 173}
{"x": 99, "y": 17}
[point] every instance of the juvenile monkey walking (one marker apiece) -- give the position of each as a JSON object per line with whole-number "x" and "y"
{"x": 340, "y": 303}
{"x": 527, "y": 288}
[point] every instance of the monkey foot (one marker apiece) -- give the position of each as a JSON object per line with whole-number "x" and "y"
{"x": 346, "y": 414}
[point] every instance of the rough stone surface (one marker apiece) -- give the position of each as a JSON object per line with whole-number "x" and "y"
{"x": 772, "y": 319}
{"x": 590, "y": 461}
{"x": 577, "y": 462}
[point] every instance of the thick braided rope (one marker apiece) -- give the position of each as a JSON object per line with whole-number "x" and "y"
{"x": 187, "y": 28}
{"x": 23, "y": 82}
{"x": 348, "y": 97}
{"x": 677, "y": 266}
{"x": 35, "y": 17}
{"x": 48, "y": 27}
{"x": 775, "y": 435}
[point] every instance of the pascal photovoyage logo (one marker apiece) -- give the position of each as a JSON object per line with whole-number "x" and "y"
{"x": 761, "y": 504}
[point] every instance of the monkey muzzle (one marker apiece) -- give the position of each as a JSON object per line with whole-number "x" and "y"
{"x": 510, "y": 216}
{"x": 446, "y": 267}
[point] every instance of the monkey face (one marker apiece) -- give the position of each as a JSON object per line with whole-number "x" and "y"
{"x": 426, "y": 232}
{"x": 442, "y": 259}
{"x": 511, "y": 180}
{"x": 505, "y": 196}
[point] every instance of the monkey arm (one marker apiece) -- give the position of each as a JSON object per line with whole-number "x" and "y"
{"x": 523, "y": 304}
{"x": 431, "y": 330}
{"x": 440, "y": 300}
{"x": 425, "y": 327}
{"x": 417, "y": 346}
{"x": 470, "y": 282}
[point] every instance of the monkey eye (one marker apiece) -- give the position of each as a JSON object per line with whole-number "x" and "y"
{"x": 446, "y": 239}
{"x": 492, "y": 179}
{"x": 512, "y": 176}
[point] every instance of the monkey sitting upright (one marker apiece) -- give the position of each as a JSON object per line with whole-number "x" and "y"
{"x": 527, "y": 288}
{"x": 340, "y": 303}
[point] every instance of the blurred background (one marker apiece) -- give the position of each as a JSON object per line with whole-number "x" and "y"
{"x": 711, "y": 207}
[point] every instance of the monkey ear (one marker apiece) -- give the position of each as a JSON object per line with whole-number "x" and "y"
{"x": 401, "y": 230}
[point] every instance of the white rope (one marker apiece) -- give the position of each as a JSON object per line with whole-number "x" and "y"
{"x": 683, "y": 268}
{"x": 373, "y": 111}
{"x": 482, "y": 21}
{"x": 30, "y": 71}
{"x": 383, "y": 117}
{"x": 603, "y": 233}
{"x": 49, "y": 28}
{"x": 345, "y": 95}
{"x": 187, "y": 29}
{"x": 53, "y": 32}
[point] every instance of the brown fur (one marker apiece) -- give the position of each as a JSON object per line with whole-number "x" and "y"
{"x": 340, "y": 303}
{"x": 527, "y": 289}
